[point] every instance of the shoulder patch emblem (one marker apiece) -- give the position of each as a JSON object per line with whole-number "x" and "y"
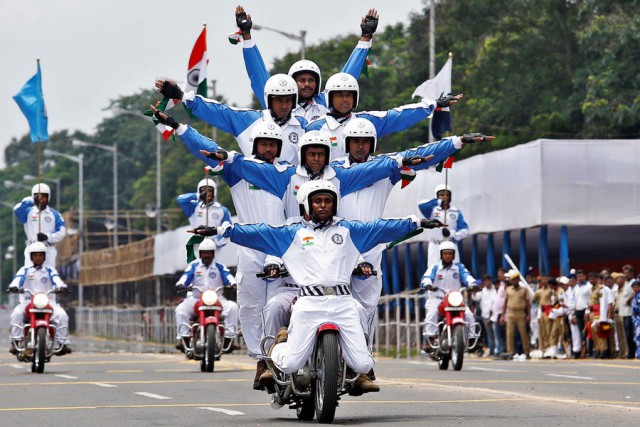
{"x": 337, "y": 239}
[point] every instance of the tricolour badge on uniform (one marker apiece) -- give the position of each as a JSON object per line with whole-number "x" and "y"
{"x": 307, "y": 241}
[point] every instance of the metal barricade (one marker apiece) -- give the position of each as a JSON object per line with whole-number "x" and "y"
{"x": 400, "y": 324}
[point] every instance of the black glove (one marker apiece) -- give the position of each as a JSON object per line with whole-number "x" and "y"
{"x": 206, "y": 231}
{"x": 444, "y": 100}
{"x": 220, "y": 152}
{"x": 369, "y": 26}
{"x": 42, "y": 237}
{"x": 180, "y": 288}
{"x": 446, "y": 232}
{"x": 408, "y": 161}
{"x": 13, "y": 290}
{"x": 171, "y": 90}
{"x": 470, "y": 138}
{"x": 430, "y": 223}
{"x": 269, "y": 268}
{"x": 63, "y": 290}
{"x": 166, "y": 120}
{"x": 243, "y": 23}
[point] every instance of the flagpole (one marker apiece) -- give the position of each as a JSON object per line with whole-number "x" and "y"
{"x": 39, "y": 156}
{"x": 446, "y": 193}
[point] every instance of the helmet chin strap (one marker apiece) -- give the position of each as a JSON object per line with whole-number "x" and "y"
{"x": 264, "y": 159}
{"x": 340, "y": 117}
{"x": 319, "y": 225}
{"x": 278, "y": 120}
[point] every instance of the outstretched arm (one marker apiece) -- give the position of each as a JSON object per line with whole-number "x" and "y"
{"x": 253, "y": 62}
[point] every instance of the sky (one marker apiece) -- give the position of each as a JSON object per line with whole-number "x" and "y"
{"x": 94, "y": 51}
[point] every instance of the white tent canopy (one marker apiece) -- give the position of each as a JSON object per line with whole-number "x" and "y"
{"x": 543, "y": 182}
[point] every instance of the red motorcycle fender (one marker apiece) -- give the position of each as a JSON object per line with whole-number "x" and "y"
{"x": 41, "y": 322}
{"x": 457, "y": 320}
{"x": 328, "y": 327}
{"x": 211, "y": 320}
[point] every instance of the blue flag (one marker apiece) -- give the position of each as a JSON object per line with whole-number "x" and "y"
{"x": 31, "y": 102}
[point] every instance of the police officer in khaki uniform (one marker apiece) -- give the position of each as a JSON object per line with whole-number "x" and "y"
{"x": 518, "y": 313}
{"x": 543, "y": 297}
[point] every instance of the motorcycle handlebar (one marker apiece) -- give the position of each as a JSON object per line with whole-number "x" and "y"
{"x": 282, "y": 272}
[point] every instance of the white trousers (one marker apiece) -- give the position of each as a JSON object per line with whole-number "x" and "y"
{"x": 367, "y": 293}
{"x": 253, "y": 294}
{"x": 184, "y": 313}
{"x": 576, "y": 337}
{"x": 307, "y": 315}
{"x": 59, "y": 318}
{"x": 431, "y": 317}
{"x": 277, "y": 313}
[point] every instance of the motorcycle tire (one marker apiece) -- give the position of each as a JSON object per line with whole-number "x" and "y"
{"x": 328, "y": 376}
{"x": 458, "y": 347}
{"x": 306, "y": 410}
{"x": 208, "y": 361}
{"x": 40, "y": 351}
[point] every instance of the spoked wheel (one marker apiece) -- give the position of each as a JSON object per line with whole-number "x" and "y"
{"x": 40, "y": 352}
{"x": 306, "y": 410}
{"x": 207, "y": 363}
{"x": 327, "y": 382}
{"x": 457, "y": 347}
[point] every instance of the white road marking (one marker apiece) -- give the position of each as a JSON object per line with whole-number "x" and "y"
{"x": 69, "y": 377}
{"x": 16, "y": 366}
{"x": 153, "y": 396}
{"x": 477, "y": 368}
{"x": 570, "y": 376}
{"x": 224, "y": 411}
{"x": 105, "y": 385}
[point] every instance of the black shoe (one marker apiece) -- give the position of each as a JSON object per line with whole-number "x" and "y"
{"x": 229, "y": 346}
{"x": 63, "y": 349}
{"x": 180, "y": 346}
{"x": 12, "y": 349}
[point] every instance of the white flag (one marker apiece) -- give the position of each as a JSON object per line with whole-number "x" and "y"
{"x": 441, "y": 83}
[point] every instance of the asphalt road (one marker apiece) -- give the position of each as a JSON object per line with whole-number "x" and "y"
{"x": 155, "y": 389}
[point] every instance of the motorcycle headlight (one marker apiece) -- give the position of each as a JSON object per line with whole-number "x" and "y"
{"x": 40, "y": 300}
{"x": 209, "y": 297}
{"x": 455, "y": 299}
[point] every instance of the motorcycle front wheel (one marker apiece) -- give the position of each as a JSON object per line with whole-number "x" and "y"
{"x": 458, "y": 347}
{"x": 208, "y": 361}
{"x": 40, "y": 351}
{"x": 327, "y": 381}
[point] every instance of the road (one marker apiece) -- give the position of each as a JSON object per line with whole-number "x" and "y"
{"x": 154, "y": 389}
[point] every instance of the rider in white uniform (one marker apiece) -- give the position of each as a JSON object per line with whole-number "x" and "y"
{"x": 203, "y": 274}
{"x": 37, "y": 277}
{"x": 446, "y": 276}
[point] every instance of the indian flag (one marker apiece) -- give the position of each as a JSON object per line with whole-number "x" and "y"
{"x": 197, "y": 74}
{"x": 307, "y": 241}
{"x": 162, "y": 105}
{"x": 235, "y": 38}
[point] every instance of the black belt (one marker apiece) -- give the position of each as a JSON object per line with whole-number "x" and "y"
{"x": 318, "y": 291}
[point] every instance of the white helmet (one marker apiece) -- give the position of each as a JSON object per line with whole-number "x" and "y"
{"x": 447, "y": 245}
{"x": 360, "y": 128}
{"x": 314, "y": 137}
{"x": 306, "y": 66}
{"x": 280, "y": 85}
{"x": 266, "y": 130}
{"x": 443, "y": 187}
{"x": 37, "y": 247}
{"x": 207, "y": 245}
{"x": 41, "y": 188}
{"x": 342, "y": 82}
{"x": 310, "y": 189}
{"x": 208, "y": 182}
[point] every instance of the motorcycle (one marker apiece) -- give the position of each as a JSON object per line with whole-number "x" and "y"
{"x": 315, "y": 389}
{"x": 207, "y": 330}
{"x": 39, "y": 334}
{"x": 452, "y": 340}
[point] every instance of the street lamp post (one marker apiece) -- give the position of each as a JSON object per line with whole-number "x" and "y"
{"x": 79, "y": 159}
{"x": 113, "y": 149}
{"x": 14, "y": 250}
{"x": 301, "y": 38}
{"x": 158, "y": 164}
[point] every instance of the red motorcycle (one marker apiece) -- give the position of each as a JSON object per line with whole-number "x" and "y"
{"x": 39, "y": 333}
{"x": 452, "y": 340}
{"x": 207, "y": 331}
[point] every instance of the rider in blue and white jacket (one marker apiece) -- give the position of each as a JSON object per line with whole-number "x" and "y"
{"x": 440, "y": 279}
{"x": 308, "y": 248}
{"x": 201, "y": 208}
{"x": 42, "y": 223}
{"x": 203, "y": 274}
{"x": 311, "y": 103}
